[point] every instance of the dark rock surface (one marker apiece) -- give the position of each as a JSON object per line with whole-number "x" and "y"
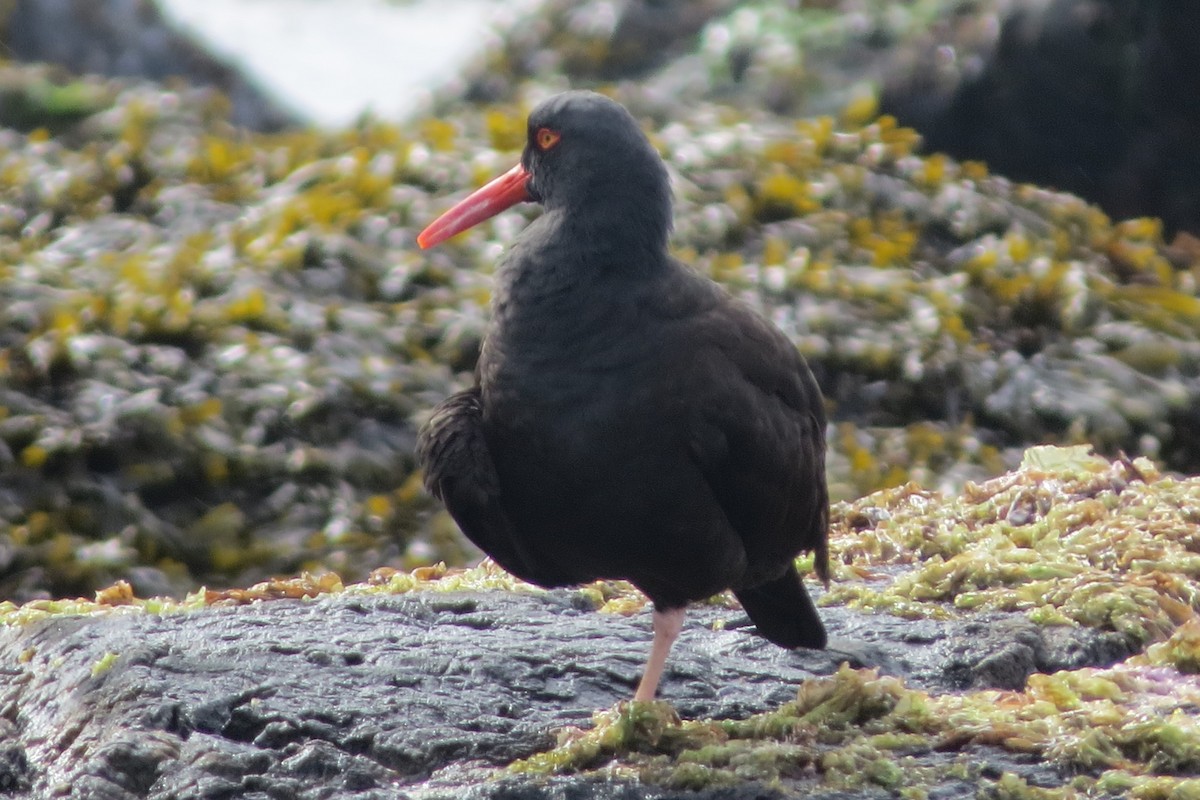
{"x": 130, "y": 38}
{"x": 1095, "y": 97}
{"x": 427, "y": 693}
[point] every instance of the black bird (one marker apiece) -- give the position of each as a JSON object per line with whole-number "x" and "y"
{"x": 630, "y": 419}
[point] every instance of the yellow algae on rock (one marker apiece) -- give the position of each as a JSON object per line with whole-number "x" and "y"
{"x": 1068, "y": 538}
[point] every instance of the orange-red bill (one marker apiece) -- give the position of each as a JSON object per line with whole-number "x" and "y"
{"x": 485, "y": 202}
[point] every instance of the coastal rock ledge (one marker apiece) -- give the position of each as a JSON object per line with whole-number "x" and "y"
{"x": 1023, "y": 679}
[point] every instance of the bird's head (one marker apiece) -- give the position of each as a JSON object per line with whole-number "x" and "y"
{"x": 584, "y": 155}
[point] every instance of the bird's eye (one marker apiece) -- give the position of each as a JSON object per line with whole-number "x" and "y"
{"x": 546, "y": 138}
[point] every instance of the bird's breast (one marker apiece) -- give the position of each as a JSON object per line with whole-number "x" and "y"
{"x": 578, "y": 392}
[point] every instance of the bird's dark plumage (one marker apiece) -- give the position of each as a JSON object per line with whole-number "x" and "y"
{"x": 630, "y": 419}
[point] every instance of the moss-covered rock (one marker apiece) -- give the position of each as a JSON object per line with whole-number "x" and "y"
{"x": 1070, "y": 539}
{"x": 410, "y": 709}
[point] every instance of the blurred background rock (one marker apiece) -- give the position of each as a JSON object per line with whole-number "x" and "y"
{"x": 217, "y": 337}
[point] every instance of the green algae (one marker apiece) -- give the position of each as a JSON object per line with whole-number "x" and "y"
{"x": 47, "y": 99}
{"x": 610, "y": 597}
{"x": 1114, "y": 727}
{"x": 1181, "y": 650}
{"x": 821, "y": 733}
{"x": 1068, "y": 539}
{"x": 104, "y": 664}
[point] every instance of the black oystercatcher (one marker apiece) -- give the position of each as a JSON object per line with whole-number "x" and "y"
{"x": 629, "y": 419}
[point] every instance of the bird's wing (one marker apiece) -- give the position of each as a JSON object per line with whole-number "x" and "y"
{"x": 758, "y": 434}
{"x": 459, "y": 471}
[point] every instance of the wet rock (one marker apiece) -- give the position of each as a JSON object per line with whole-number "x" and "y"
{"x": 1037, "y": 630}
{"x": 16, "y": 773}
{"x": 994, "y": 652}
{"x": 383, "y": 693}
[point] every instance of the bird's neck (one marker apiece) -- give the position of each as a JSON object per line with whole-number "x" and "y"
{"x": 570, "y": 254}
{"x": 563, "y": 281}
{"x": 629, "y": 245}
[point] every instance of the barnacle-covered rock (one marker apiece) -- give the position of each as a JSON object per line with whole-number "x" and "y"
{"x": 216, "y": 383}
{"x": 792, "y": 58}
{"x": 216, "y": 347}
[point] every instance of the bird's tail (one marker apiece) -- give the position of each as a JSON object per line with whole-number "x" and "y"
{"x": 784, "y": 613}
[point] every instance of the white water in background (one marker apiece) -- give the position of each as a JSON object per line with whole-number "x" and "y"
{"x": 332, "y": 60}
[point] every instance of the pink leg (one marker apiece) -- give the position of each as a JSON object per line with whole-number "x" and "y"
{"x": 667, "y": 625}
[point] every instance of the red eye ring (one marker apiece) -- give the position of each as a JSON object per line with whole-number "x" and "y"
{"x": 546, "y": 138}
